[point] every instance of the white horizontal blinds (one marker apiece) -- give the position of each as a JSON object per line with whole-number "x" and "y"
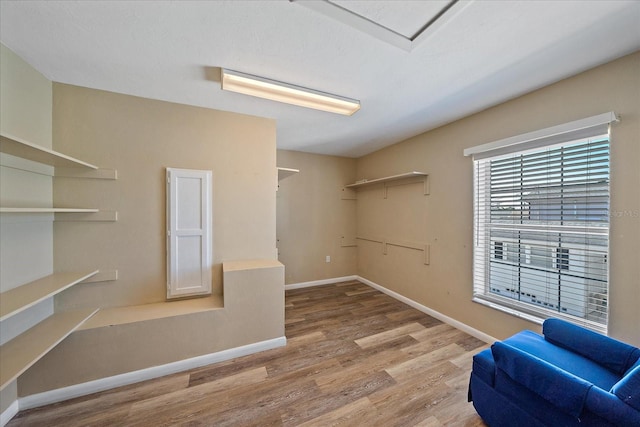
{"x": 542, "y": 229}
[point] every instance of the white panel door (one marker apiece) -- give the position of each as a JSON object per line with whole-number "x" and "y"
{"x": 189, "y": 234}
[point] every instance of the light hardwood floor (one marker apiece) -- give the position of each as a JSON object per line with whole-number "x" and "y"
{"x": 354, "y": 357}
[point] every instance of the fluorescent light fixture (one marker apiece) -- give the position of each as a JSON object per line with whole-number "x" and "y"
{"x": 247, "y": 84}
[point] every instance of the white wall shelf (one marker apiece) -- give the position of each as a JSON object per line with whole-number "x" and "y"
{"x": 62, "y": 172}
{"x": 389, "y": 181}
{"x": 406, "y": 175}
{"x": 286, "y": 172}
{"x": 47, "y": 210}
{"x": 349, "y": 193}
{"x": 86, "y": 216}
{"x": 67, "y": 214}
{"x": 26, "y": 150}
{"x": 19, "y": 354}
{"x": 22, "y": 297}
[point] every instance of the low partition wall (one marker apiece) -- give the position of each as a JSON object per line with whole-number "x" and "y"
{"x": 112, "y": 354}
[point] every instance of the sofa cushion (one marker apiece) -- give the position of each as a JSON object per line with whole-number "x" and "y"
{"x": 628, "y": 388}
{"x": 560, "y": 388}
{"x": 613, "y": 354}
{"x": 564, "y": 359}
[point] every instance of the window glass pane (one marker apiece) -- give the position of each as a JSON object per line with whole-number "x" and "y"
{"x": 544, "y": 216}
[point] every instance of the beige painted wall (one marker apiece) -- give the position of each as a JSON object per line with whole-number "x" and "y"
{"x": 444, "y": 218}
{"x": 25, "y": 104}
{"x": 140, "y": 138}
{"x": 26, "y": 241}
{"x": 313, "y": 218}
{"x": 26, "y": 113}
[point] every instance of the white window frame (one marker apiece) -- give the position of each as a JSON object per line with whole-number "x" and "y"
{"x": 483, "y": 247}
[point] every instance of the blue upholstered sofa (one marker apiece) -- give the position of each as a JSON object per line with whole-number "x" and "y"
{"x": 569, "y": 376}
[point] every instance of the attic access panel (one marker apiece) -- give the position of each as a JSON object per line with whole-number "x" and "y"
{"x": 403, "y": 24}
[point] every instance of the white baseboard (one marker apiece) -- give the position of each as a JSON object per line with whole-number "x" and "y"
{"x": 83, "y": 389}
{"x": 9, "y": 413}
{"x": 433, "y": 313}
{"x": 319, "y": 282}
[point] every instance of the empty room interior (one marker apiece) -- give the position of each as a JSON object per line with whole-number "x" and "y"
{"x": 307, "y": 212}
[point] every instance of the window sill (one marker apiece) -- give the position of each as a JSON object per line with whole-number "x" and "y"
{"x": 538, "y": 320}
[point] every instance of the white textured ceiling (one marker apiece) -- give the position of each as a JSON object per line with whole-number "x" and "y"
{"x": 483, "y": 54}
{"x": 403, "y": 17}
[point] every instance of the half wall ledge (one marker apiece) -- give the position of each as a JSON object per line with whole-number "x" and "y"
{"x": 128, "y": 339}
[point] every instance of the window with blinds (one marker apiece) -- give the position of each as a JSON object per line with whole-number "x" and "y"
{"x": 541, "y": 240}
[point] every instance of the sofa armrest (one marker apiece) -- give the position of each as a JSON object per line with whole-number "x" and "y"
{"x": 484, "y": 366}
{"x": 628, "y": 388}
{"x": 615, "y": 355}
{"x": 562, "y": 389}
{"x": 610, "y": 407}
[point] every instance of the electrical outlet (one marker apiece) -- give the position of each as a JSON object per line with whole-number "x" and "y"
{"x": 327, "y": 258}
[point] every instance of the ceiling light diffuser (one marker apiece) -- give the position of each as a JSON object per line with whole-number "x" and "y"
{"x": 247, "y": 84}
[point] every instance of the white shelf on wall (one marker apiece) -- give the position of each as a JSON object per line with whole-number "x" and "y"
{"x": 406, "y": 175}
{"x": 26, "y": 150}
{"x": 47, "y": 210}
{"x": 67, "y": 214}
{"x": 66, "y": 166}
{"x": 19, "y": 354}
{"x": 286, "y": 172}
{"x": 22, "y": 297}
{"x": 412, "y": 177}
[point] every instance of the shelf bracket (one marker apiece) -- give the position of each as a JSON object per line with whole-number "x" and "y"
{"x": 100, "y": 216}
{"x": 348, "y": 194}
{"x": 103, "y": 276}
{"x": 424, "y": 180}
{"x": 62, "y": 172}
{"x": 347, "y": 244}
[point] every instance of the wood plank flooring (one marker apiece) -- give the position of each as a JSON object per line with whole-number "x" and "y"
{"x": 354, "y": 357}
